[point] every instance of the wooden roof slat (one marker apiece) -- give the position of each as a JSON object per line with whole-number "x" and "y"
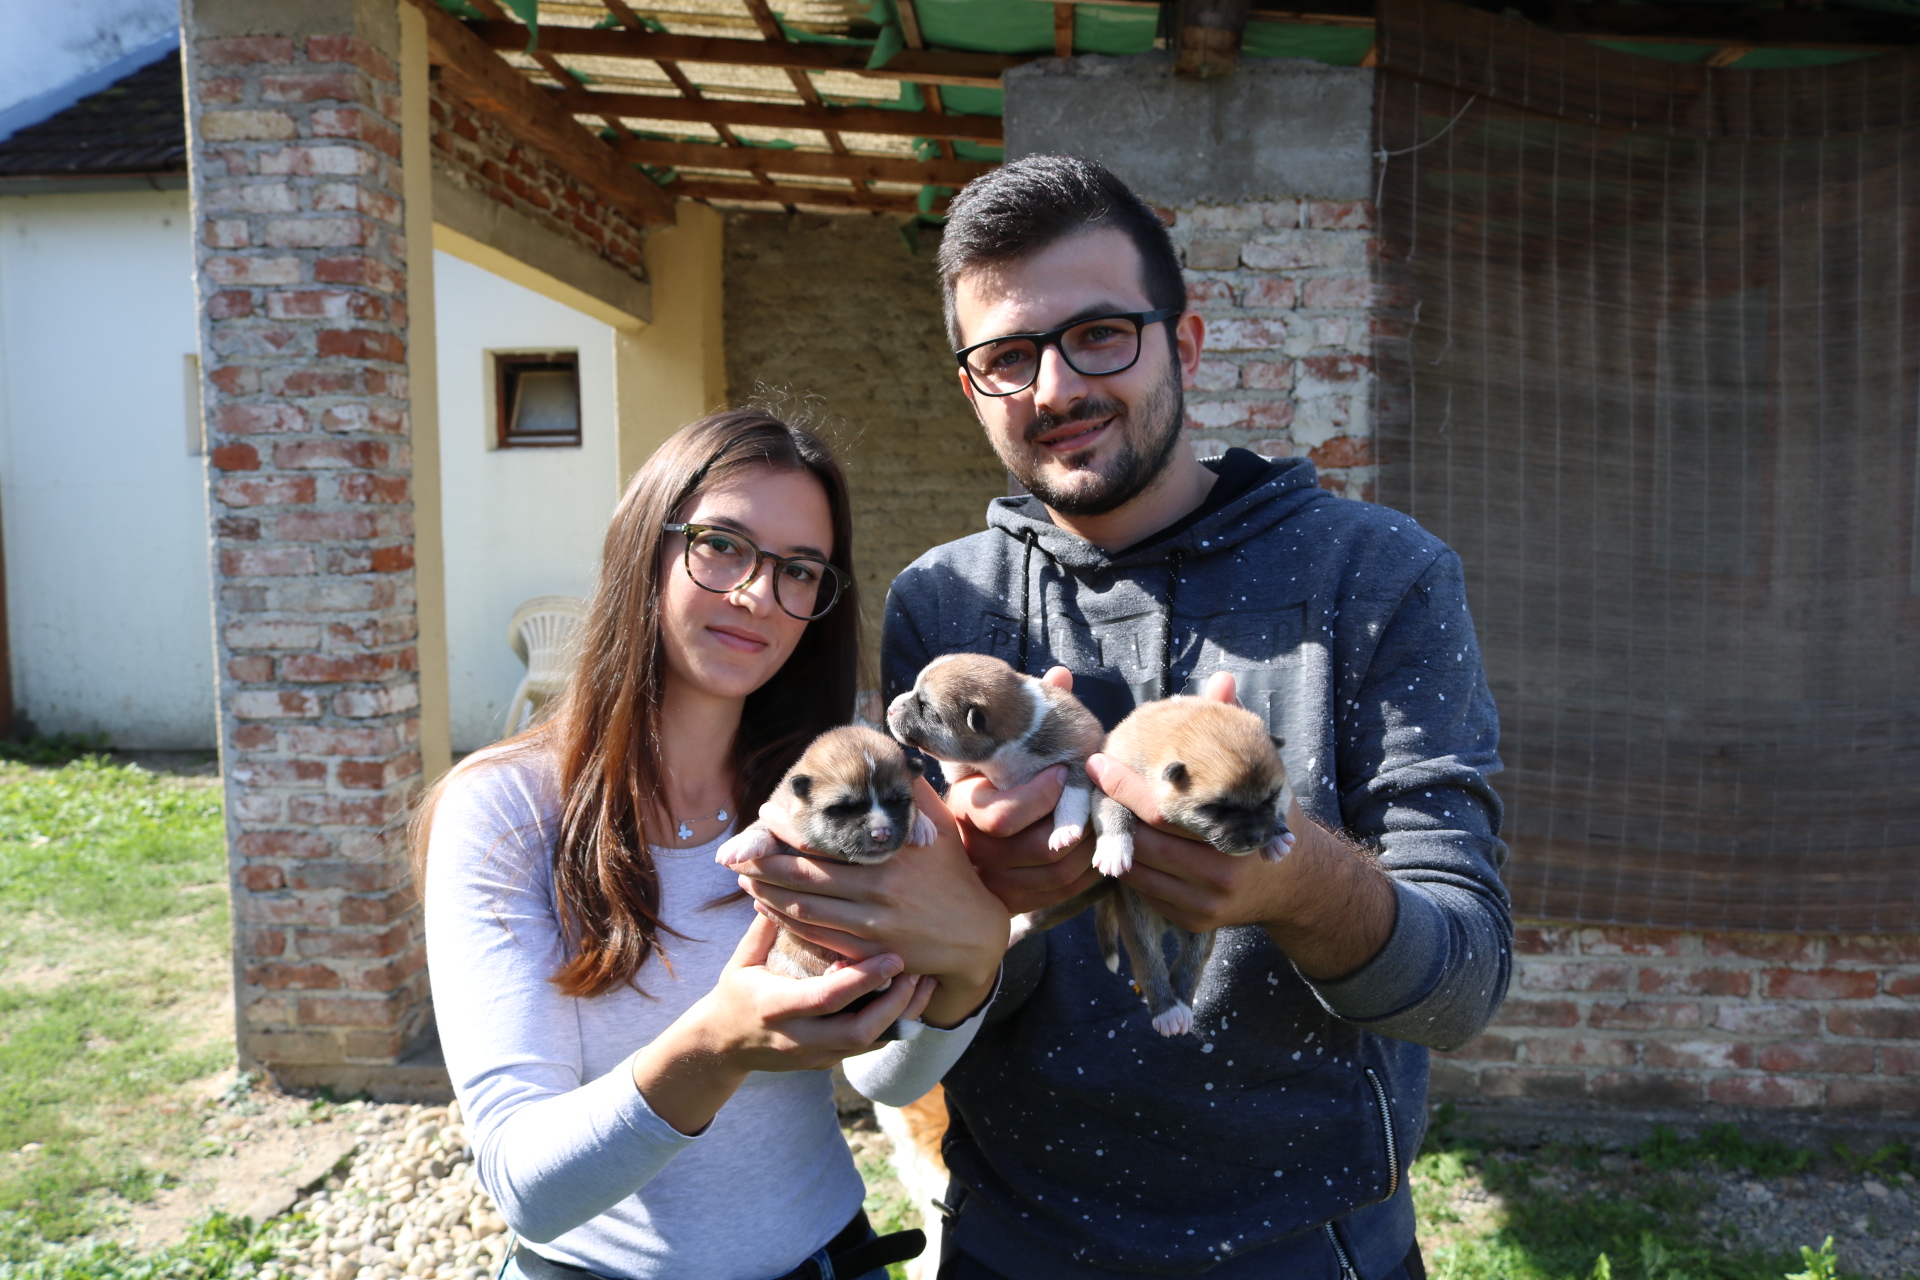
{"x": 977, "y": 70}
{"x": 720, "y": 111}
{"x": 860, "y": 168}
{"x": 844, "y": 198}
{"x": 470, "y": 70}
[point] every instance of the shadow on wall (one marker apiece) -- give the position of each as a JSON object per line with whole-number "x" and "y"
{"x": 841, "y": 309}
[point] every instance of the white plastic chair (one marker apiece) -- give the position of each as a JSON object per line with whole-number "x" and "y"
{"x": 539, "y": 633}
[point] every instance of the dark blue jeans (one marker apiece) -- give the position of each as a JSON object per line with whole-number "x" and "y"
{"x": 962, "y": 1267}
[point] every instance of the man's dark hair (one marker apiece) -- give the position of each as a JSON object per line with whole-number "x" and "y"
{"x": 1017, "y": 210}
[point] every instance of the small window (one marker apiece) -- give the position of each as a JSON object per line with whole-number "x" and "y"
{"x": 538, "y": 399}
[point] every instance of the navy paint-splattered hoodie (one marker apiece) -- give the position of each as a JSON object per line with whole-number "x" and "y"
{"x": 1086, "y": 1142}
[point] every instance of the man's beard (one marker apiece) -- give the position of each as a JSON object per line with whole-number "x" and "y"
{"x": 1142, "y": 455}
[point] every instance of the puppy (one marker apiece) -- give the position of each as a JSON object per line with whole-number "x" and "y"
{"x": 977, "y": 715}
{"x": 1216, "y": 773}
{"x": 850, "y": 797}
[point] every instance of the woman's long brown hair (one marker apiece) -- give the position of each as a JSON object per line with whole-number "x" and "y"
{"x": 604, "y": 734}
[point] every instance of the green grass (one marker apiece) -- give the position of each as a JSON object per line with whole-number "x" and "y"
{"x": 219, "y": 1247}
{"x": 113, "y": 937}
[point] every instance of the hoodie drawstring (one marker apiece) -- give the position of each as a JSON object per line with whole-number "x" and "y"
{"x": 1166, "y": 639}
{"x": 1031, "y": 538}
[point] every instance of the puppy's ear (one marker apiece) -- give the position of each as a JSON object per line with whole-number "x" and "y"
{"x": 802, "y": 785}
{"x": 916, "y": 766}
{"x": 1176, "y": 773}
{"x": 976, "y": 720}
{"x": 1278, "y": 741}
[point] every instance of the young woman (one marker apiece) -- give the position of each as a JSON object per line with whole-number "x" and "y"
{"x": 644, "y": 1098}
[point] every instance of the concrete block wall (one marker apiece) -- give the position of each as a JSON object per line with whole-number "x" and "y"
{"x": 301, "y": 270}
{"x": 478, "y": 154}
{"x": 1665, "y": 1019}
{"x": 1290, "y": 305}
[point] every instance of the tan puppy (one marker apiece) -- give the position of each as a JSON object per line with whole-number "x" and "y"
{"x": 1216, "y": 773}
{"x": 977, "y": 715}
{"x": 850, "y": 796}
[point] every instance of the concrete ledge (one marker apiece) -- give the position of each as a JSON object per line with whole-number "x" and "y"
{"x": 1276, "y": 127}
{"x": 396, "y": 1082}
{"x": 477, "y": 229}
{"x": 1532, "y": 1124}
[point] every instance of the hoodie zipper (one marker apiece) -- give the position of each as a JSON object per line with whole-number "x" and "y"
{"x": 1340, "y": 1251}
{"x": 1386, "y": 1122}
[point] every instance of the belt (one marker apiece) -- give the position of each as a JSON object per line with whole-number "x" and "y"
{"x": 851, "y": 1254}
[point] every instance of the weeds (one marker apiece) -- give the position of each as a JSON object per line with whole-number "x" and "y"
{"x": 52, "y": 749}
{"x": 219, "y": 1247}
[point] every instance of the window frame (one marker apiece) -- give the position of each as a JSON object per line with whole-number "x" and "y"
{"x": 509, "y": 363}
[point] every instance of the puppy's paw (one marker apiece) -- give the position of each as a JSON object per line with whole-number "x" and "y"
{"x": 1019, "y": 929}
{"x": 755, "y": 842}
{"x": 908, "y": 1029}
{"x": 1066, "y": 836}
{"x": 1113, "y": 854}
{"x": 1113, "y": 961}
{"x": 1278, "y": 847}
{"x": 923, "y": 833}
{"x": 1177, "y": 1021}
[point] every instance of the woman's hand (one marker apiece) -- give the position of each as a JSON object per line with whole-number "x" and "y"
{"x": 754, "y": 1020}
{"x": 925, "y": 905}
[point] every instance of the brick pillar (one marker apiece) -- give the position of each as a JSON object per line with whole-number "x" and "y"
{"x": 301, "y": 266}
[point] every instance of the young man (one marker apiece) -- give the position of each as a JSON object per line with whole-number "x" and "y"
{"x": 1274, "y": 1140}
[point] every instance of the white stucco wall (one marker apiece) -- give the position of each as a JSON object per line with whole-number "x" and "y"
{"x": 517, "y": 522}
{"x": 104, "y": 506}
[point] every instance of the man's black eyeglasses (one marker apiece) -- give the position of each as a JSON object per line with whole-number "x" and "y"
{"x": 1094, "y": 348}
{"x": 722, "y": 561}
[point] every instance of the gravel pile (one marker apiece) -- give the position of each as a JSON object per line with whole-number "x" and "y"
{"x": 1874, "y": 1222}
{"x": 408, "y": 1205}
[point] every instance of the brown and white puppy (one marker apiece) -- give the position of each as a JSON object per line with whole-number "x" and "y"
{"x": 1216, "y": 773}
{"x": 977, "y": 715}
{"x": 850, "y": 796}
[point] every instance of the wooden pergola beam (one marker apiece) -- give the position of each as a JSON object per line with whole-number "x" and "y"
{"x": 976, "y": 70}
{"x": 472, "y": 71}
{"x": 773, "y": 115}
{"x": 847, "y": 198}
{"x": 813, "y": 164}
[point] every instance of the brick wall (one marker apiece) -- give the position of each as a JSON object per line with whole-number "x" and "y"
{"x": 842, "y": 308}
{"x": 301, "y": 274}
{"x": 1291, "y": 305}
{"x": 1657, "y": 1019}
{"x": 477, "y": 154}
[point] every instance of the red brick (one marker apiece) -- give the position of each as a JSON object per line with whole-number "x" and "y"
{"x": 236, "y": 457}
{"x": 305, "y": 977}
{"x": 353, "y": 50}
{"x": 370, "y": 488}
{"x": 1696, "y": 982}
{"x": 1573, "y": 977}
{"x": 1814, "y": 1055}
{"x": 1485, "y": 1048}
{"x": 329, "y": 526}
{"x": 343, "y": 811}
{"x": 1537, "y": 1013}
{"x": 1698, "y": 1055}
{"x": 310, "y": 87}
{"x": 259, "y": 879}
{"x": 235, "y": 380}
{"x": 281, "y": 773}
{"x": 297, "y": 455}
{"x": 1267, "y": 375}
{"x": 259, "y": 419}
{"x": 361, "y": 344}
{"x": 252, "y": 270}
{"x": 230, "y": 304}
{"x": 1341, "y": 368}
{"x": 1580, "y": 1051}
{"x": 306, "y": 161}
{"x": 388, "y": 976}
{"x": 1340, "y": 215}
{"x": 1209, "y": 293}
{"x": 336, "y": 942}
{"x": 1903, "y": 984}
{"x": 266, "y": 562}
{"x": 221, "y": 89}
{"x": 1644, "y": 1089}
{"x": 245, "y": 50}
{"x": 1278, "y": 293}
{"x": 359, "y": 270}
{"x": 1644, "y": 1015}
{"x": 376, "y": 910}
{"x": 1775, "y": 1020}
{"x": 1354, "y": 292}
{"x": 251, "y": 669}
{"x": 1873, "y": 1095}
{"x": 1631, "y": 942}
{"x": 1820, "y": 984}
{"x": 1781, "y": 948}
{"x": 1522, "y": 1082}
{"x": 1875, "y": 949}
{"x": 262, "y": 942}
{"x": 1545, "y": 941}
{"x": 1875, "y": 1024}
{"x": 264, "y": 491}
{"x": 1765, "y": 1091}
{"x": 282, "y": 844}
{"x": 358, "y": 704}
{"x": 316, "y": 1011}
{"x": 354, "y": 877}
{"x": 1343, "y": 451}
{"x": 254, "y": 737}
{"x": 1896, "y": 1061}
{"x": 325, "y": 668}
{"x": 371, "y": 775}
{"x": 315, "y": 233}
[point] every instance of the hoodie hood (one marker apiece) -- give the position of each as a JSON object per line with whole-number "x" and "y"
{"x": 1289, "y": 487}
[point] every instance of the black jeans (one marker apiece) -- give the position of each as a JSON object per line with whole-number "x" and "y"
{"x": 962, "y": 1267}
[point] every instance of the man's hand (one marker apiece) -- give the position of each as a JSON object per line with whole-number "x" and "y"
{"x": 1326, "y": 905}
{"x": 1006, "y": 833}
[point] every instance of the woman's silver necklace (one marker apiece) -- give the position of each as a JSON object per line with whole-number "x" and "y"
{"x": 685, "y": 829}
